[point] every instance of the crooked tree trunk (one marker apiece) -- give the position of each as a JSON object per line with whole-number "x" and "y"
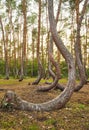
{"x": 83, "y": 79}
{"x": 78, "y": 54}
{"x": 46, "y": 88}
{"x": 51, "y": 40}
{"x": 50, "y": 50}
{"x": 64, "y": 97}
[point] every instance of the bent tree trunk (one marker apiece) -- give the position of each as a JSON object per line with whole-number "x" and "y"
{"x": 83, "y": 79}
{"x": 64, "y": 97}
{"x": 46, "y": 88}
{"x": 51, "y": 43}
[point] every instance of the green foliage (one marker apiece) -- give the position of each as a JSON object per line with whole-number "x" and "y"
{"x": 31, "y": 19}
{"x": 2, "y": 68}
{"x": 87, "y": 72}
{"x": 72, "y": 4}
{"x": 34, "y": 127}
{"x": 6, "y": 104}
{"x": 64, "y": 69}
{"x": 43, "y": 30}
{"x": 50, "y": 121}
{"x": 32, "y": 68}
{"x": 7, "y": 125}
{"x": 81, "y": 106}
{"x": 36, "y": 0}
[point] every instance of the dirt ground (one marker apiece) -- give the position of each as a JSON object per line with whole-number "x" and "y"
{"x": 75, "y": 115}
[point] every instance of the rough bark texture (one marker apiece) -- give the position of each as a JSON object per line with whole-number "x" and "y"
{"x": 17, "y": 103}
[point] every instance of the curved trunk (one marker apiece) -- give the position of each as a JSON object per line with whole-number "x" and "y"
{"x": 50, "y": 50}
{"x": 51, "y": 41}
{"x": 49, "y": 87}
{"x": 83, "y": 79}
{"x": 18, "y": 103}
{"x": 78, "y": 54}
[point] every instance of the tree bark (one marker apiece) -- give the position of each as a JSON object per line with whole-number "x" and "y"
{"x": 50, "y": 48}
{"x": 23, "y": 58}
{"x": 5, "y": 41}
{"x": 40, "y": 67}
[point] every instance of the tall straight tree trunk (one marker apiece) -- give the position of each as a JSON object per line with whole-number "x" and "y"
{"x": 5, "y": 41}
{"x": 14, "y": 42}
{"x": 33, "y": 51}
{"x": 15, "y": 61}
{"x": 23, "y": 58}
{"x": 72, "y": 33}
{"x": 40, "y": 67}
{"x": 6, "y": 57}
{"x": 42, "y": 52}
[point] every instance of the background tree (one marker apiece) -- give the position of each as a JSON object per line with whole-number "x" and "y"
{"x": 5, "y": 42}
{"x": 23, "y": 58}
{"x": 40, "y": 67}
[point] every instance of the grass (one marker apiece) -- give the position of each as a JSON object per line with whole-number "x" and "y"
{"x": 50, "y": 121}
{"x": 34, "y": 127}
{"x": 27, "y": 80}
{"x": 15, "y": 81}
{"x": 8, "y": 82}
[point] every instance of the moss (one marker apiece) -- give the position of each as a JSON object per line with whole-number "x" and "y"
{"x": 50, "y": 121}
{"x": 33, "y": 127}
{"x": 7, "y": 124}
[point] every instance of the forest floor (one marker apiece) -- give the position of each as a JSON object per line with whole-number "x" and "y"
{"x": 74, "y": 116}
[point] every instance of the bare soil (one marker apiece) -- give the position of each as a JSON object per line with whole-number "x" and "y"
{"x": 74, "y": 116}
